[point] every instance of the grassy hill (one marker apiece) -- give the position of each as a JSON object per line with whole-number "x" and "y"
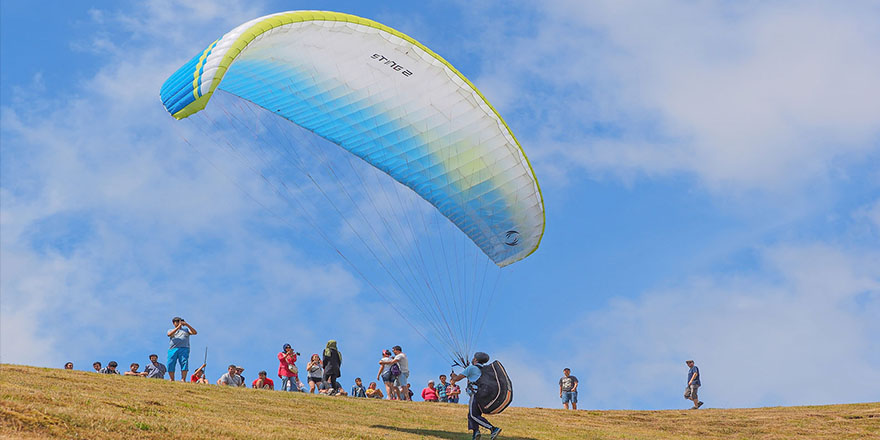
{"x": 48, "y": 403}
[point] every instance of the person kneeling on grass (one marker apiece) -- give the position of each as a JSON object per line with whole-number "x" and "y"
{"x": 475, "y": 414}
{"x": 263, "y": 382}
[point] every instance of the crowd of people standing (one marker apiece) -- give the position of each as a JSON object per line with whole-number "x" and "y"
{"x": 324, "y": 370}
{"x": 321, "y": 372}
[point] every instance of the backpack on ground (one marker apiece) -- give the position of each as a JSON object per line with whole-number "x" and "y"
{"x": 494, "y": 388}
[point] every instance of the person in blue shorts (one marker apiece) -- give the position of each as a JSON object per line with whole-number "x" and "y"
{"x": 178, "y": 352}
{"x": 475, "y": 414}
{"x": 568, "y": 389}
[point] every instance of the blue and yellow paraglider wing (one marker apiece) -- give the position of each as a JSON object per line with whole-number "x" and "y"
{"x": 391, "y": 101}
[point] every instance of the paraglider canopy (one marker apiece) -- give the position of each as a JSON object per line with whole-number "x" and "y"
{"x": 392, "y": 102}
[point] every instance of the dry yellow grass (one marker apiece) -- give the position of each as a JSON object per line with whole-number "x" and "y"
{"x": 49, "y": 403}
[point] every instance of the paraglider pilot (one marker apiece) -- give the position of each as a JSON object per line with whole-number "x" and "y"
{"x": 475, "y": 414}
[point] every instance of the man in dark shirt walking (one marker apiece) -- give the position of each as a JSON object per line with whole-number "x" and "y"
{"x": 693, "y": 384}
{"x": 568, "y": 389}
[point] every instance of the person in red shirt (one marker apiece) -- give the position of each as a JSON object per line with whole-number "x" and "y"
{"x": 287, "y": 371}
{"x": 263, "y": 382}
{"x": 429, "y": 393}
{"x": 199, "y": 375}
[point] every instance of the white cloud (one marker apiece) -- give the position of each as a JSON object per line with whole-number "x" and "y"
{"x": 767, "y": 96}
{"x": 869, "y": 215}
{"x": 800, "y": 330}
{"x": 532, "y": 377}
{"x": 110, "y": 222}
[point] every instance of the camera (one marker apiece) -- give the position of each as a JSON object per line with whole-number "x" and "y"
{"x": 298, "y": 353}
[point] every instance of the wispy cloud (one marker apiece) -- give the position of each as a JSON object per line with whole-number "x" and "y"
{"x": 110, "y": 224}
{"x": 796, "y": 330}
{"x": 744, "y": 96}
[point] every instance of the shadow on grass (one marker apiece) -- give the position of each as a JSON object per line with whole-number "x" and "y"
{"x": 445, "y": 434}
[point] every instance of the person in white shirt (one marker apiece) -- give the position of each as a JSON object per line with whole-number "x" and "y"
{"x": 230, "y": 377}
{"x": 401, "y": 379}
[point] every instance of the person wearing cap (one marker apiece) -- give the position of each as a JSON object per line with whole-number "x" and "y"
{"x": 133, "y": 370}
{"x": 198, "y": 376}
{"x": 568, "y": 389}
{"x": 155, "y": 369}
{"x": 110, "y": 368}
{"x": 230, "y": 377}
{"x": 287, "y": 371}
{"x": 178, "y": 351}
{"x": 263, "y": 382}
{"x": 690, "y": 393}
{"x": 475, "y": 413}
{"x": 238, "y": 370}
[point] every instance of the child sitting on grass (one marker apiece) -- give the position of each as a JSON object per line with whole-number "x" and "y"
{"x": 374, "y": 392}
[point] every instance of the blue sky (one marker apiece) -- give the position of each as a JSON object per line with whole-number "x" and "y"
{"x": 710, "y": 174}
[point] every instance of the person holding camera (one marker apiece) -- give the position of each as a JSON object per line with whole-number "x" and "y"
{"x": 178, "y": 352}
{"x": 287, "y": 371}
{"x": 316, "y": 372}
